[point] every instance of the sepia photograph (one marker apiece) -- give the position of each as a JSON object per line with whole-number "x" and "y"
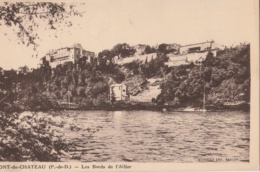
{"x": 129, "y": 85}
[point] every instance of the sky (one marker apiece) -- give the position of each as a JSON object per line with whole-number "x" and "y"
{"x": 108, "y": 22}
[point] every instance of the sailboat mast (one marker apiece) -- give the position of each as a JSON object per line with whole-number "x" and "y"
{"x": 204, "y": 94}
{"x": 204, "y": 98}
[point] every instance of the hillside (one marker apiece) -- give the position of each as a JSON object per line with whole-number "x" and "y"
{"x": 226, "y": 79}
{"x": 151, "y": 91}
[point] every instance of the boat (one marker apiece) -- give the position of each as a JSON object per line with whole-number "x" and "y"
{"x": 164, "y": 109}
{"x": 189, "y": 109}
{"x": 202, "y": 110}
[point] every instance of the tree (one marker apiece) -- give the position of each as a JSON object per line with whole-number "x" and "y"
{"x": 113, "y": 96}
{"x": 225, "y": 77}
{"x": 23, "y": 70}
{"x": 119, "y": 77}
{"x": 149, "y": 50}
{"x": 123, "y": 50}
{"x": 162, "y": 47}
{"x": 81, "y": 92}
{"x": 27, "y": 16}
{"x": 104, "y": 57}
{"x": 31, "y": 136}
{"x": 209, "y": 61}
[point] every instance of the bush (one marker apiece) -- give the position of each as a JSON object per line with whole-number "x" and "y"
{"x": 224, "y": 78}
{"x": 31, "y": 136}
{"x": 39, "y": 102}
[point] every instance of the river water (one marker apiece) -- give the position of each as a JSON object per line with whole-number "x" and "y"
{"x": 148, "y": 136}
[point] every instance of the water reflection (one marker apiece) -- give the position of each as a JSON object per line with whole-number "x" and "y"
{"x": 118, "y": 115}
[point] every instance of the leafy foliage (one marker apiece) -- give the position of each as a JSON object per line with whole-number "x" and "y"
{"x": 30, "y": 136}
{"x": 225, "y": 78}
{"x": 123, "y": 50}
{"x": 27, "y": 16}
{"x": 149, "y": 50}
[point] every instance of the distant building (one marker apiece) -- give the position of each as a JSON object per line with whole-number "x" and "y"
{"x": 192, "y": 53}
{"x": 141, "y": 58}
{"x": 118, "y": 91}
{"x": 198, "y": 47}
{"x": 67, "y": 54}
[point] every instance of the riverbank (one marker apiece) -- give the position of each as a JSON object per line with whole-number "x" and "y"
{"x": 128, "y": 107}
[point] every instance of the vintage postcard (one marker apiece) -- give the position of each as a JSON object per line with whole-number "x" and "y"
{"x": 129, "y": 85}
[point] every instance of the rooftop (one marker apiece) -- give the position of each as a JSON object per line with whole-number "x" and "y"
{"x": 197, "y": 43}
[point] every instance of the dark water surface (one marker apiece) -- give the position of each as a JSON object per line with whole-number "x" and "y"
{"x": 147, "y": 136}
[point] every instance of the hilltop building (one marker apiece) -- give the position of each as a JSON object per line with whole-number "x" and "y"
{"x": 198, "y": 47}
{"x": 195, "y": 53}
{"x": 67, "y": 54}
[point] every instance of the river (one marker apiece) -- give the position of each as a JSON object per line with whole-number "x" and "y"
{"x": 151, "y": 136}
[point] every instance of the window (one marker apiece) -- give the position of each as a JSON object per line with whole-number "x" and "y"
{"x": 194, "y": 49}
